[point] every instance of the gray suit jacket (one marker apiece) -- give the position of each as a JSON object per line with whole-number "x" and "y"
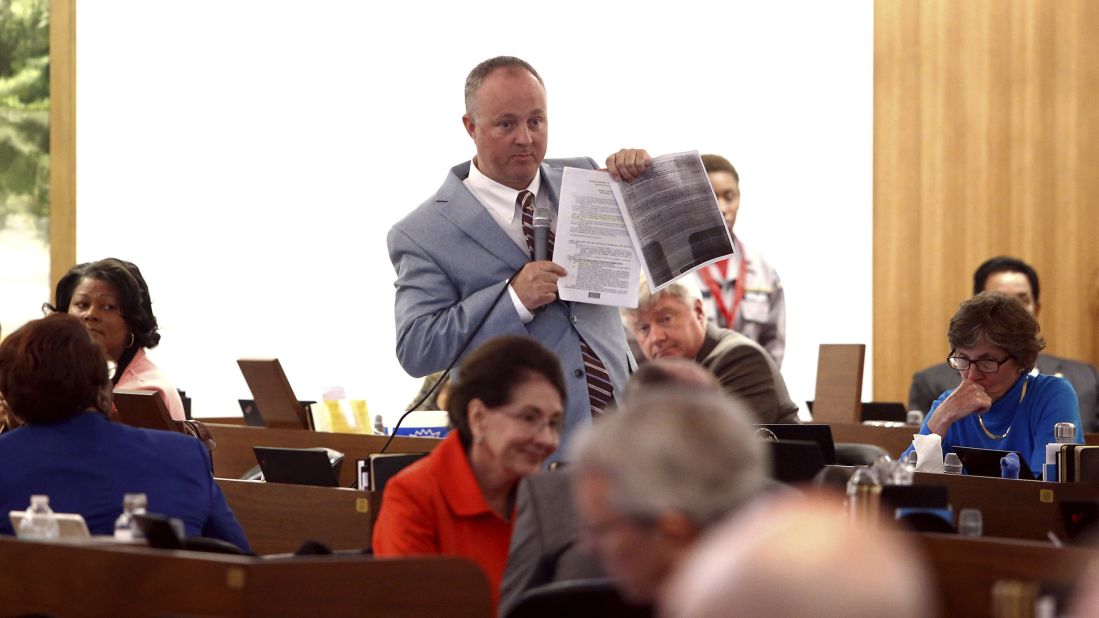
{"x": 928, "y": 384}
{"x": 545, "y": 540}
{"x": 452, "y": 260}
{"x": 748, "y": 372}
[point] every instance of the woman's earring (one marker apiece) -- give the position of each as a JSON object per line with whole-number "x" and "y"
{"x": 132, "y": 338}
{"x": 479, "y": 440}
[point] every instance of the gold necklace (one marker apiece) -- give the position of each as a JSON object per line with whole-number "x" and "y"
{"x": 981, "y": 420}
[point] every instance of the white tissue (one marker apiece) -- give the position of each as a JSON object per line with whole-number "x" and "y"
{"x": 929, "y": 452}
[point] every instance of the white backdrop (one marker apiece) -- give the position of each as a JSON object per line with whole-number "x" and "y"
{"x": 250, "y": 157}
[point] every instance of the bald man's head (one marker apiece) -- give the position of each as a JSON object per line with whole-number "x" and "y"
{"x": 799, "y": 556}
{"x": 671, "y": 373}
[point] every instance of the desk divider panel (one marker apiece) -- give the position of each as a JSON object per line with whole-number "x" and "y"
{"x": 893, "y": 439}
{"x": 1015, "y": 509}
{"x": 233, "y": 454}
{"x": 838, "y": 397}
{"x": 278, "y": 518}
{"x": 965, "y": 569}
{"x": 111, "y": 580}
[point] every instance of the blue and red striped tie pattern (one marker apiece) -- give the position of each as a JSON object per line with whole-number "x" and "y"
{"x": 599, "y": 383}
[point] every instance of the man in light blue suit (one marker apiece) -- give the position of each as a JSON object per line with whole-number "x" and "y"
{"x": 463, "y": 250}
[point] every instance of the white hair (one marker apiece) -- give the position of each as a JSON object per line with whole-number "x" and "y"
{"x": 675, "y": 450}
{"x": 685, "y": 289}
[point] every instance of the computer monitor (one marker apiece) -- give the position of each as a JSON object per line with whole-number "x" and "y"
{"x": 795, "y": 461}
{"x": 821, "y": 434}
{"x": 300, "y": 466}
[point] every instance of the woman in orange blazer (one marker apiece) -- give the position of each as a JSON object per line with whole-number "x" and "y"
{"x": 507, "y": 409}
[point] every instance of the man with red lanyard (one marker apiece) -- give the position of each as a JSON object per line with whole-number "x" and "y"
{"x": 744, "y": 292}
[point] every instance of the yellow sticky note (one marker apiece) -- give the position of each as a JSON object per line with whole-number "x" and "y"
{"x": 234, "y": 578}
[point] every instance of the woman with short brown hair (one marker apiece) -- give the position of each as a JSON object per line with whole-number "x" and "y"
{"x": 1000, "y": 403}
{"x": 507, "y": 410}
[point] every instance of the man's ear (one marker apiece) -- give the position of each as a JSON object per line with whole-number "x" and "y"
{"x": 469, "y": 124}
{"x": 677, "y": 528}
{"x": 1037, "y": 309}
{"x": 699, "y": 312}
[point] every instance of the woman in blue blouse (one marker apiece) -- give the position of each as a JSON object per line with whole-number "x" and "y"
{"x": 1000, "y": 403}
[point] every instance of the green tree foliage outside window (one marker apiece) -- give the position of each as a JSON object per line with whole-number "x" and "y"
{"x": 25, "y": 111}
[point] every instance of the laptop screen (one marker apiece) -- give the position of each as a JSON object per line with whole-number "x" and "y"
{"x": 821, "y": 434}
{"x": 299, "y": 466}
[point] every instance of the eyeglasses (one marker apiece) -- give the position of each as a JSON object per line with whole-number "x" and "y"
{"x": 593, "y": 531}
{"x": 534, "y": 422}
{"x": 984, "y": 365}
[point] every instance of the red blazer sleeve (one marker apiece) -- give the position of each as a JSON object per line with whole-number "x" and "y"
{"x": 407, "y": 522}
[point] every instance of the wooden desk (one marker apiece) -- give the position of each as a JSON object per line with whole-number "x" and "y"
{"x": 1009, "y": 508}
{"x": 278, "y": 518}
{"x": 965, "y": 569}
{"x": 893, "y": 439}
{"x": 106, "y": 580}
{"x": 233, "y": 454}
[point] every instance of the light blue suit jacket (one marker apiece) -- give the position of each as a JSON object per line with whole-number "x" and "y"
{"x": 452, "y": 260}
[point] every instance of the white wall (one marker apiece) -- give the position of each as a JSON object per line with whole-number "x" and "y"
{"x": 250, "y": 157}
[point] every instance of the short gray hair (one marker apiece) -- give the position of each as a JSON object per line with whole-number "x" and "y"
{"x": 481, "y": 71}
{"x": 675, "y": 450}
{"x": 684, "y": 289}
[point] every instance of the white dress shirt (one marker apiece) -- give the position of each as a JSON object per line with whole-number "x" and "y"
{"x": 500, "y": 202}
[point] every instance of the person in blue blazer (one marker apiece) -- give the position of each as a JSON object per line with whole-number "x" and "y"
{"x": 53, "y": 377}
{"x": 1000, "y": 403}
{"x": 463, "y": 258}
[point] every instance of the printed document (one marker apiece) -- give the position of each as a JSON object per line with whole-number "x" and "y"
{"x": 673, "y": 218}
{"x": 592, "y": 242}
{"x": 666, "y": 222}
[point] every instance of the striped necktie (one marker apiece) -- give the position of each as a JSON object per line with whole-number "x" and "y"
{"x": 525, "y": 199}
{"x": 599, "y": 383}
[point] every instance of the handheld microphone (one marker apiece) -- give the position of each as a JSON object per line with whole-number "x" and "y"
{"x": 541, "y": 233}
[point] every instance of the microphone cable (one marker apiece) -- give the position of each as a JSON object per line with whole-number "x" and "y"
{"x": 446, "y": 372}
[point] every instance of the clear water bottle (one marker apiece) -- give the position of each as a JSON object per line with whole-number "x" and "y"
{"x": 952, "y": 464}
{"x": 1063, "y": 433}
{"x": 125, "y": 527}
{"x": 39, "y": 522}
{"x": 905, "y": 470}
{"x": 863, "y": 497}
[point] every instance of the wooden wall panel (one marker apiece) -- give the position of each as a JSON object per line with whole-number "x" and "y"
{"x": 986, "y": 142}
{"x": 62, "y": 138}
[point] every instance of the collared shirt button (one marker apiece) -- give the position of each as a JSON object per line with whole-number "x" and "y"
{"x": 578, "y": 373}
{"x": 573, "y": 319}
